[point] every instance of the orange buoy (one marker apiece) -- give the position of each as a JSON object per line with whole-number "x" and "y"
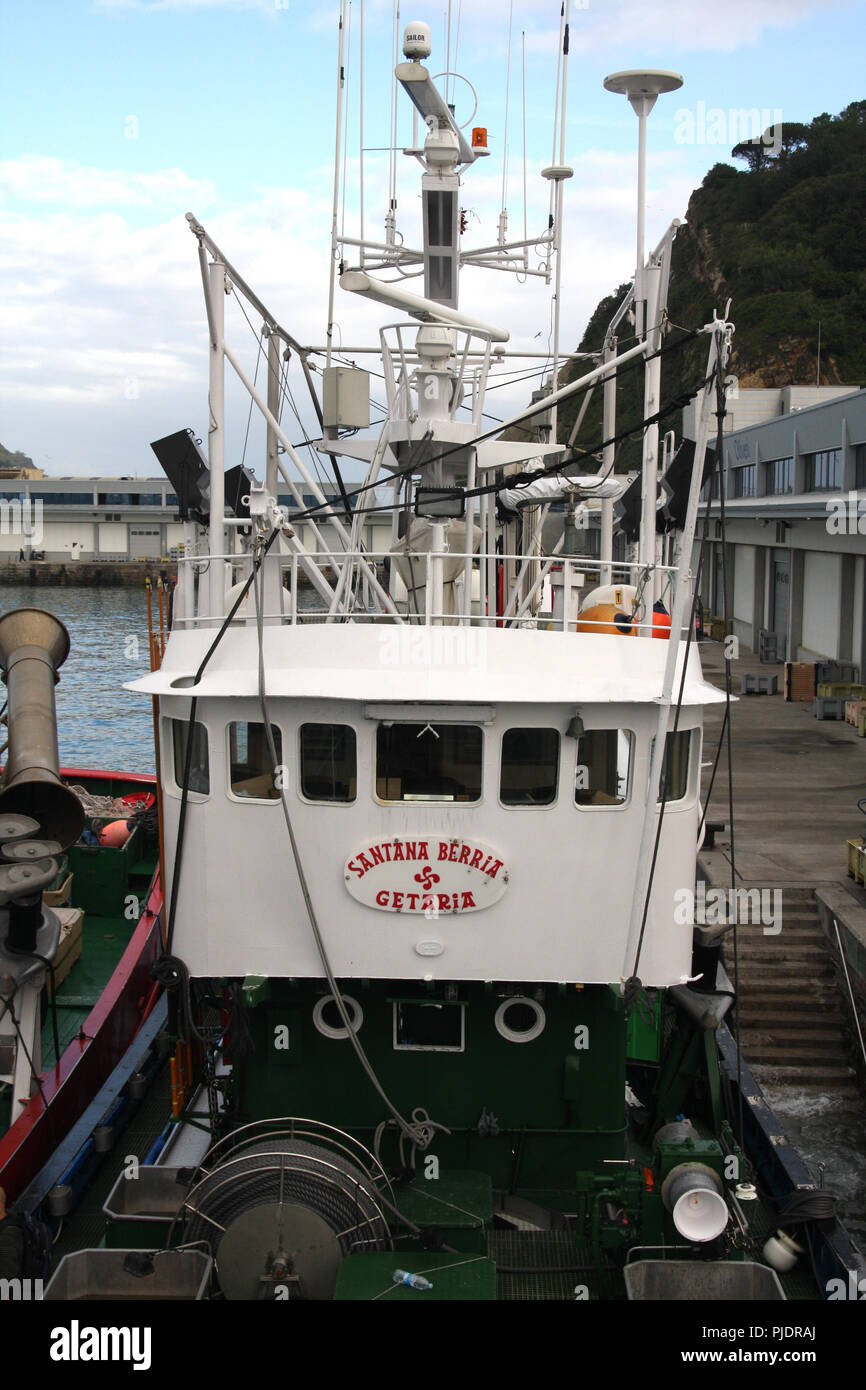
{"x": 661, "y": 621}
{"x": 606, "y": 617}
{"x": 115, "y": 834}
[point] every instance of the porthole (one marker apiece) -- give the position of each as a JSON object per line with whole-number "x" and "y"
{"x": 519, "y": 1020}
{"x": 329, "y": 1021}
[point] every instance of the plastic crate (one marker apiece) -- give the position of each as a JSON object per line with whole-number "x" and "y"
{"x": 102, "y": 875}
{"x": 829, "y": 707}
{"x": 757, "y": 684}
{"x": 836, "y": 671}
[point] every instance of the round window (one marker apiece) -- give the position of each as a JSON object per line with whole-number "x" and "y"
{"x": 519, "y": 1019}
{"x": 329, "y": 1020}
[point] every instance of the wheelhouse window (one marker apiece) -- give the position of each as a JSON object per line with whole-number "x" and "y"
{"x": 328, "y": 762}
{"x": 675, "y": 769}
{"x": 251, "y": 767}
{"x": 603, "y": 771}
{"x": 428, "y": 762}
{"x": 530, "y": 766}
{"x": 199, "y": 772}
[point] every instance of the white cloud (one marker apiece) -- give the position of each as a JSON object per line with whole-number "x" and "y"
{"x": 36, "y": 178}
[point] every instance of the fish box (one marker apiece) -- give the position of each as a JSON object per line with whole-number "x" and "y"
{"x": 95, "y": 1275}
{"x": 69, "y": 949}
{"x": 59, "y": 896}
{"x": 800, "y": 681}
{"x": 139, "y": 1210}
{"x": 102, "y": 875}
{"x": 723, "y": 1281}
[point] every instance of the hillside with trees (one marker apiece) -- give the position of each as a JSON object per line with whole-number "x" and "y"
{"x": 783, "y": 239}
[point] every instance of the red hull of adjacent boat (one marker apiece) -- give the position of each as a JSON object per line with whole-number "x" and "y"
{"x": 110, "y": 1027}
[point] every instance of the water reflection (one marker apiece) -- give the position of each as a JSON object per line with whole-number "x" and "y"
{"x": 99, "y": 723}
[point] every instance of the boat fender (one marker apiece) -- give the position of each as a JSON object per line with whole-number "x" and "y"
{"x": 661, "y": 621}
{"x": 116, "y": 833}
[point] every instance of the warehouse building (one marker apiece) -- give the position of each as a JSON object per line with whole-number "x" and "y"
{"x": 64, "y": 520}
{"x": 795, "y": 505}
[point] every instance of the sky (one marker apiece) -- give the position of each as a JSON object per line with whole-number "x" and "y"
{"x": 119, "y": 116}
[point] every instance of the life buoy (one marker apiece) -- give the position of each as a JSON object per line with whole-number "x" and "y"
{"x": 609, "y": 608}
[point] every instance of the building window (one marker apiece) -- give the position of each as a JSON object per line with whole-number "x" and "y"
{"x": 824, "y": 471}
{"x": 250, "y": 762}
{"x": 199, "y": 773}
{"x": 428, "y": 762}
{"x": 744, "y": 480}
{"x": 675, "y": 769}
{"x": 530, "y": 764}
{"x": 860, "y": 466}
{"x": 603, "y": 767}
{"x": 328, "y": 762}
{"x": 63, "y": 499}
{"x": 780, "y": 477}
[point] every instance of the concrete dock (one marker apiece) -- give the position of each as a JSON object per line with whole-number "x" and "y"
{"x": 796, "y": 782}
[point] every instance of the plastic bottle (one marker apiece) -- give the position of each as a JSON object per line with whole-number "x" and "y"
{"x": 414, "y": 1281}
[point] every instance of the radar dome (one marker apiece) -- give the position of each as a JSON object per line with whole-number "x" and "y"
{"x": 416, "y": 41}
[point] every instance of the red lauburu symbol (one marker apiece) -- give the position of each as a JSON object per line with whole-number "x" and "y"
{"x": 427, "y": 878}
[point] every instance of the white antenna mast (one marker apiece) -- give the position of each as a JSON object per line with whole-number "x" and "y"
{"x": 334, "y": 239}
{"x": 361, "y": 127}
{"x": 503, "y": 213}
{"x": 558, "y": 173}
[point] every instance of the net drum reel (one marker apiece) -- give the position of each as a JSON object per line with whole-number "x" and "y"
{"x": 280, "y": 1203}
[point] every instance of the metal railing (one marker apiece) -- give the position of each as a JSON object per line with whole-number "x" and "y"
{"x": 429, "y": 588}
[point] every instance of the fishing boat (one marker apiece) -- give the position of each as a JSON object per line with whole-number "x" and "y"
{"x": 81, "y": 911}
{"x": 440, "y": 1027}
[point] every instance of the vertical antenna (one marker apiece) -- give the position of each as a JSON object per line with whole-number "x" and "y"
{"x": 361, "y": 129}
{"x": 390, "y": 217}
{"x": 339, "y": 125}
{"x": 523, "y": 48}
{"x": 503, "y": 216}
{"x": 558, "y": 224}
{"x": 564, "y": 81}
{"x": 346, "y": 92}
{"x": 448, "y": 54}
{"x": 818, "y": 365}
{"x": 555, "y": 124}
